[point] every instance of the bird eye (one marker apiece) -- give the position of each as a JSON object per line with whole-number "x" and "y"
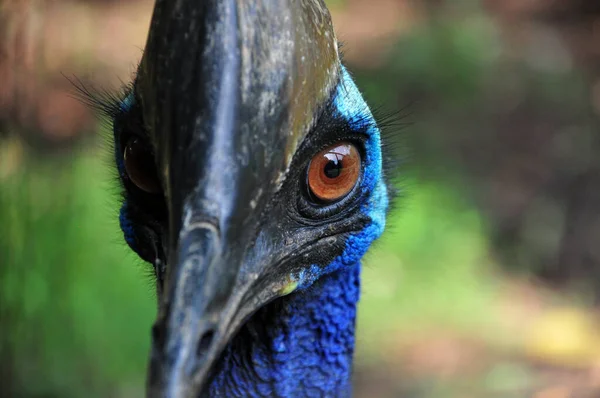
{"x": 333, "y": 172}
{"x": 140, "y": 167}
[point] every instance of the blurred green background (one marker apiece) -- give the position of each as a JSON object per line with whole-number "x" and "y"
{"x": 486, "y": 281}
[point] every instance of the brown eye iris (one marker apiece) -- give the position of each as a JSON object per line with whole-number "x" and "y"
{"x": 140, "y": 167}
{"x": 333, "y": 172}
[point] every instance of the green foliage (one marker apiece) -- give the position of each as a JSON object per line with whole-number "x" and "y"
{"x": 430, "y": 268}
{"x": 77, "y": 301}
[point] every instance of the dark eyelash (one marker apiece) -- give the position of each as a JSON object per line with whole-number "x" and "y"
{"x": 105, "y": 102}
{"x": 107, "y": 105}
{"x": 394, "y": 147}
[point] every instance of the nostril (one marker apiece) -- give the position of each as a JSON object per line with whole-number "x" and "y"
{"x": 204, "y": 343}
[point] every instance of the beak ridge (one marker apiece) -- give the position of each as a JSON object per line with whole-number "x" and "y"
{"x": 186, "y": 336}
{"x": 228, "y": 91}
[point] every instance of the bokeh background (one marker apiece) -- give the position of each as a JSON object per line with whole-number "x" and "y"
{"x": 487, "y": 282}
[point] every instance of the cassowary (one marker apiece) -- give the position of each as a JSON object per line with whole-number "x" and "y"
{"x": 253, "y": 182}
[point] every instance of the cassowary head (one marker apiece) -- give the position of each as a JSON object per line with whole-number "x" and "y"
{"x": 253, "y": 182}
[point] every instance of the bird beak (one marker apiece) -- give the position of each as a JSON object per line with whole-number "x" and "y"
{"x": 228, "y": 91}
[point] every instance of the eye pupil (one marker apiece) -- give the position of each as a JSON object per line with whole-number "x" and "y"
{"x": 333, "y": 169}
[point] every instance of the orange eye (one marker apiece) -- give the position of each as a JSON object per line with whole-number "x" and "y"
{"x": 333, "y": 172}
{"x": 139, "y": 165}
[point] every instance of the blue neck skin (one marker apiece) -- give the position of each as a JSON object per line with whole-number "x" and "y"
{"x": 300, "y": 345}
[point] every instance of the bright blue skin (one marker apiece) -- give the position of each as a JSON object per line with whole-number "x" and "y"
{"x": 302, "y": 344}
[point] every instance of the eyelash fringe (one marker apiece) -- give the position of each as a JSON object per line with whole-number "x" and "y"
{"x": 395, "y": 149}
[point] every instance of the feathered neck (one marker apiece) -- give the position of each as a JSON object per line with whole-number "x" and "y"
{"x": 299, "y": 345}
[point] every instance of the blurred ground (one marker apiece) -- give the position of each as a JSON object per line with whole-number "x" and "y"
{"x": 485, "y": 285}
